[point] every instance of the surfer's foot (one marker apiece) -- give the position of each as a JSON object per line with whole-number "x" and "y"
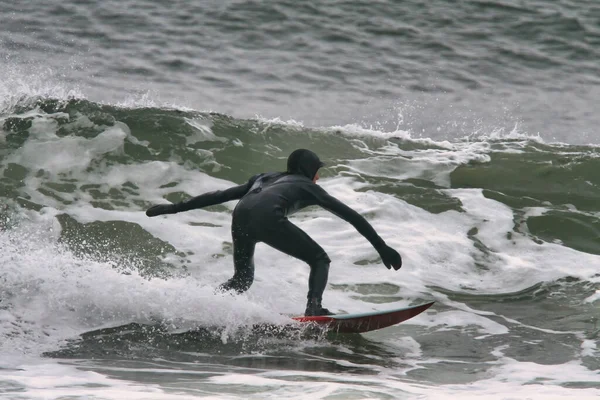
{"x": 314, "y": 308}
{"x": 317, "y": 312}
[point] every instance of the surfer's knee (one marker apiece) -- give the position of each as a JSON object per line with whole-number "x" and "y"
{"x": 320, "y": 258}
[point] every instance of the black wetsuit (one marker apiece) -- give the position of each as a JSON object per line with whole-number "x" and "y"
{"x": 266, "y": 200}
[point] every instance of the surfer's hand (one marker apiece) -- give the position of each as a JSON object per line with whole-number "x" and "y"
{"x": 161, "y": 209}
{"x": 390, "y": 257}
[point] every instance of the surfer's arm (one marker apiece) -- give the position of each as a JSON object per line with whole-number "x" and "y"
{"x": 216, "y": 197}
{"x": 346, "y": 213}
{"x": 389, "y": 256}
{"x": 203, "y": 200}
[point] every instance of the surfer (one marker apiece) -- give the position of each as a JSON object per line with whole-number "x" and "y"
{"x": 261, "y": 216}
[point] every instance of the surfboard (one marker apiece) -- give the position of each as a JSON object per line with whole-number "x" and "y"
{"x": 365, "y": 322}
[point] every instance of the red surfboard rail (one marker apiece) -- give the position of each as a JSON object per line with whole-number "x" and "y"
{"x": 365, "y": 322}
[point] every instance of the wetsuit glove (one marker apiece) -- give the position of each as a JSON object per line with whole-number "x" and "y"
{"x": 390, "y": 257}
{"x": 161, "y": 209}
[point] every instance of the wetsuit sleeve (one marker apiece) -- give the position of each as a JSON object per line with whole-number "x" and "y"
{"x": 359, "y": 222}
{"x": 216, "y": 197}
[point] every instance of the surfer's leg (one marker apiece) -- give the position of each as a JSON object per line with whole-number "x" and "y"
{"x": 317, "y": 281}
{"x": 293, "y": 241}
{"x": 243, "y": 262}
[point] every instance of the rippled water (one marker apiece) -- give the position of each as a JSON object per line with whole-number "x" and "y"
{"x": 441, "y": 69}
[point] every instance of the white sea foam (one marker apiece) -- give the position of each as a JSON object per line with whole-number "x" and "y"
{"x": 20, "y": 83}
{"x": 54, "y": 295}
{"x": 45, "y": 380}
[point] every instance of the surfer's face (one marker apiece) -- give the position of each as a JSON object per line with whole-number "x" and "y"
{"x": 316, "y": 178}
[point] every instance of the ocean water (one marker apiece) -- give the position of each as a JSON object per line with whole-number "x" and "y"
{"x": 466, "y": 133}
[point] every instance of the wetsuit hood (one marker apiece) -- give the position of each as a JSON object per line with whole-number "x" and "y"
{"x": 304, "y": 162}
